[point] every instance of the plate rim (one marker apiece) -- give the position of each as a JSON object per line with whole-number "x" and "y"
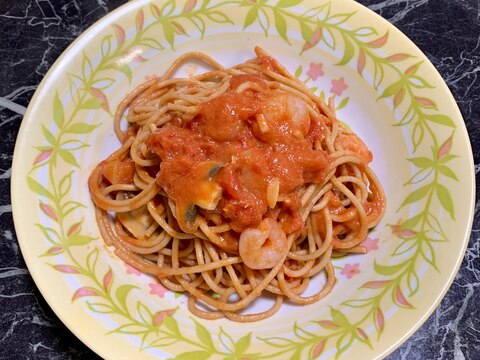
{"x": 466, "y": 138}
{"x": 16, "y": 187}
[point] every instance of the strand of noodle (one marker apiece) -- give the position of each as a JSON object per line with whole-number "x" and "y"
{"x": 140, "y": 242}
{"x": 228, "y": 282}
{"x": 164, "y": 238}
{"x": 123, "y": 242}
{"x": 324, "y": 261}
{"x": 377, "y": 188}
{"x": 119, "y": 187}
{"x": 143, "y": 175}
{"x": 188, "y": 276}
{"x": 185, "y": 97}
{"x": 349, "y": 214}
{"x": 143, "y": 109}
{"x": 218, "y": 272}
{"x": 120, "y": 205}
{"x": 345, "y": 159}
{"x": 296, "y": 285}
{"x": 317, "y": 194}
{"x": 353, "y": 250}
{"x": 201, "y": 261}
{"x": 183, "y": 108}
{"x": 142, "y": 118}
{"x": 181, "y": 254}
{"x": 252, "y": 69}
{"x": 199, "y": 268}
{"x": 331, "y": 104}
{"x": 357, "y": 173}
{"x": 209, "y": 315}
{"x": 218, "y": 229}
{"x": 192, "y": 55}
{"x": 165, "y": 281}
{"x": 161, "y": 221}
{"x": 258, "y": 316}
{"x": 321, "y": 204}
{"x": 192, "y": 279}
{"x": 330, "y": 140}
{"x": 121, "y": 152}
{"x": 350, "y": 240}
{"x": 151, "y": 257}
{"x": 327, "y": 230}
{"x": 139, "y": 182}
{"x": 279, "y": 67}
{"x": 256, "y": 292}
{"x": 250, "y": 274}
{"x": 124, "y": 104}
{"x": 135, "y": 152}
{"x": 211, "y": 236}
{"x": 214, "y": 256}
{"x": 249, "y": 85}
{"x": 307, "y": 194}
{"x": 313, "y": 298}
{"x": 298, "y": 272}
{"x": 314, "y": 233}
{"x": 235, "y": 280}
{"x": 135, "y": 261}
{"x": 104, "y": 225}
{"x": 326, "y": 246}
{"x": 173, "y": 257}
{"x": 357, "y": 181}
{"x": 137, "y": 92}
{"x": 156, "y": 247}
{"x": 309, "y": 263}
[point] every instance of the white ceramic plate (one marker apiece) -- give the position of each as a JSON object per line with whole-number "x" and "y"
{"x": 384, "y": 88}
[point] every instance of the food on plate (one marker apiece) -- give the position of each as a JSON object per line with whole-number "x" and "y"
{"x": 233, "y": 184}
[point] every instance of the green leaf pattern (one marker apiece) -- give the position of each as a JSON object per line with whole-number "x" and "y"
{"x": 318, "y": 27}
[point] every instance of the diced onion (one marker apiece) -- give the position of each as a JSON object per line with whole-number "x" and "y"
{"x": 273, "y": 191}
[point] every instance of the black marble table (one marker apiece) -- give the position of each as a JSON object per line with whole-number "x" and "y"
{"x": 33, "y": 33}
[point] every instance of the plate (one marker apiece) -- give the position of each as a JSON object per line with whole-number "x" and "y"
{"x": 384, "y": 88}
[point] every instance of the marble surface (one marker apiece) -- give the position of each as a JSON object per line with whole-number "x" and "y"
{"x": 33, "y": 33}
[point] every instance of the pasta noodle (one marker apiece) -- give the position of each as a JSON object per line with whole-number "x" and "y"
{"x": 233, "y": 184}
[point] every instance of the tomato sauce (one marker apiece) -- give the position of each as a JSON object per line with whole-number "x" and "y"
{"x": 238, "y": 143}
{"x": 119, "y": 171}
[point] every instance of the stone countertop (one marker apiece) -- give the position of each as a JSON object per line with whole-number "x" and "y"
{"x": 33, "y": 33}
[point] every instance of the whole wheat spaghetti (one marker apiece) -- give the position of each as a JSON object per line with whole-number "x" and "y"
{"x": 234, "y": 184}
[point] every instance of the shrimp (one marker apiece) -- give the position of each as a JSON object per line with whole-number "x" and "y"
{"x": 263, "y": 247}
{"x": 353, "y": 143}
{"x": 282, "y": 114}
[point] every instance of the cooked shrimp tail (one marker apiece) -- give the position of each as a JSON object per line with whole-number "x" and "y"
{"x": 263, "y": 247}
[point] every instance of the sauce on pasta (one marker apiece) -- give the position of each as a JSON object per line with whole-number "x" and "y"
{"x": 223, "y": 160}
{"x": 235, "y": 183}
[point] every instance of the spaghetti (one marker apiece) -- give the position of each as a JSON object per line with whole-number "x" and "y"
{"x": 235, "y": 183}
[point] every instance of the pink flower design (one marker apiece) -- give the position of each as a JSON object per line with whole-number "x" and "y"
{"x": 49, "y": 211}
{"x": 315, "y": 70}
{"x": 351, "y": 270}
{"x": 157, "y": 289}
{"x": 132, "y": 270}
{"x": 338, "y": 86}
{"x": 399, "y": 231}
{"x": 44, "y": 155}
{"x": 370, "y": 244}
